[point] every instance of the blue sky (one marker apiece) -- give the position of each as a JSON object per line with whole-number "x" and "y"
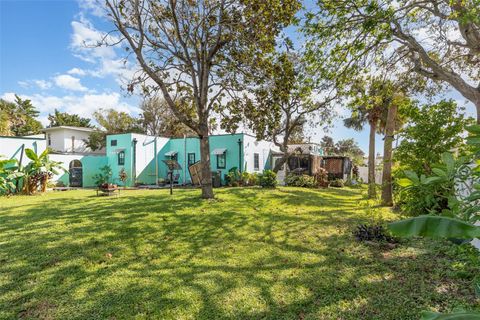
{"x": 43, "y": 58}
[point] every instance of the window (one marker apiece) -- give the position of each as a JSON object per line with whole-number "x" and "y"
{"x": 191, "y": 158}
{"x": 113, "y": 143}
{"x": 121, "y": 158}
{"x": 256, "y": 161}
{"x": 221, "y": 161}
{"x": 49, "y": 136}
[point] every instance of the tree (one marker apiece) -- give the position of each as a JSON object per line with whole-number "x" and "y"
{"x": 432, "y": 130}
{"x": 282, "y": 105}
{"x": 112, "y": 122}
{"x": 328, "y": 145}
{"x": 18, "y": 118}
{"x": 439, "y": 40}
{"x": 368, "y": 107}
{"x": 350, "y": 148}
{"x": 158, "y": 119}
{"x": 65, "y": 119}
{"x": 196, "y": 52}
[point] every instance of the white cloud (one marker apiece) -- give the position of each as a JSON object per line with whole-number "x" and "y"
{"x": 68, "y": 82}
{"x": 83, "y": 105}
{"x": 77, "y": 72}
{"x": 43, "y": 84}
{"x": 88, "y": 44}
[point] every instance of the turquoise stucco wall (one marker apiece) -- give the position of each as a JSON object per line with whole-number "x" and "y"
{"x": 124, "y": 143}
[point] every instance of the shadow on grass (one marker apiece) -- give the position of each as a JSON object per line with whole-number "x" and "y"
{"x": 252, "y": 253}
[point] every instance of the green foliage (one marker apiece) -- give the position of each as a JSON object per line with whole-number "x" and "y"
{"x": 465, "y": 214}
{"x": 460, "y": 315}
{"x": 435, "y": 193}
{"x": 302, "y": 180}
{"x": 268, "y": 179}
{"x": 338, "y": 183}
{"x": 65, "y": 119}
{"x": 158, "y": 119}
{"x": 18, "y": 118}
{"x": 434, "y": 227}
{"x": 9, "y": 176}
{"x": 431, "y": 131}
{"x": 39, "y": 170}
{"x": 265, "y": 253}
{"x": 104, "y": 177}
{"x": 112, "y": 122}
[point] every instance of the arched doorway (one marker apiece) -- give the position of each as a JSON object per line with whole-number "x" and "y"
{"x": 76, "y": 173}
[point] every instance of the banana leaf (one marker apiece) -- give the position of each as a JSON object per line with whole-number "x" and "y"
{"x": 434, "y": 227}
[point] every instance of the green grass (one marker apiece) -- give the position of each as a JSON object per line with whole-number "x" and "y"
{"x": 253, "y": 253}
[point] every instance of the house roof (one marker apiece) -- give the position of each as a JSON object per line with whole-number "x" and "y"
{"x": 69, "y": 128}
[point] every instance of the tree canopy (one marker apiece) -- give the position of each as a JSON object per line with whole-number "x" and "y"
{"x": 18, "y": 118}
{"x": 196, "y": 53}
{"x": 66, "y": 119}
{"x": 439, "y": 40}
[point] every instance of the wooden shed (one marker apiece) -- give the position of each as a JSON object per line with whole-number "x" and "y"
{"x": 338, "y": 167}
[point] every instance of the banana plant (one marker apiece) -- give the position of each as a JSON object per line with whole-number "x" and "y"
{"x": 39, "y": 170}
{"x": 432, "y": 226}
{"x": 9, "y": 176}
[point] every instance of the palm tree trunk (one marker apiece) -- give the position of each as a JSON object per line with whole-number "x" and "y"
{"x": 371, "y": 161}
{"x": 387, "y": 198}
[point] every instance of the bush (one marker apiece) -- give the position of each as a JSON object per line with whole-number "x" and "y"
{"x": 338, "y": 183}
{"x": 321, "y": 178}
{"x": 268, "y": 179}
{"x": 104, "y": 176}
{"x": 303, "y": 180}
{"x": 422, "y": 194}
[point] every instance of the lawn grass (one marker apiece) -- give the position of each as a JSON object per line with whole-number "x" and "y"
{"x": 250, "y": 254}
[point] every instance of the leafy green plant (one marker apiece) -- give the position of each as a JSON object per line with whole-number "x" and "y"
{"x": 104, "y": 176}
{"x": 123, "y": 176}
{"x": 9, "y": 176}
{"x": 421, "y": 194}
{"x": 338, "y": 183}
{"x": 302, "y": 180}
{"x": 448, "y": 227}
{"x": 39, "y": 171}
{"x": 268, "y": 179}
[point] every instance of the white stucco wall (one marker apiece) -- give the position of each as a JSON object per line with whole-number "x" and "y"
{"x": 252, "y": 146}
{"x": 61, "y": 140}
{"x": 146, "y": 151}
{"x": 10, "y": 147}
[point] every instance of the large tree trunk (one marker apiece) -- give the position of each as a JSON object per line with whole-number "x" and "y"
{"x": 371, "y": 161}
{"x": 278, "y": 165}
{"x": 207, "y": 190}
{"x": 387, "y": 198}
{"x": 476, "y": 102}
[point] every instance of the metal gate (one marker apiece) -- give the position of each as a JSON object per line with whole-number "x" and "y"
{"x": 76, "y": 173}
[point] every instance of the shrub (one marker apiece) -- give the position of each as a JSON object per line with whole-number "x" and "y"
{"x": 303, "y": 180}
{"x": 338, "y": 183}
{"x": 321, "y": 178}
{"x": 421, "y": 194}
{"x": 104, "y": 176}
{"x": 268, "y": 179}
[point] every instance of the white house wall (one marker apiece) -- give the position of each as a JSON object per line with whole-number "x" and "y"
{"x": 10, "y": 147}
{"x": 263, "y": 148}
{"x": 145, "y": 153}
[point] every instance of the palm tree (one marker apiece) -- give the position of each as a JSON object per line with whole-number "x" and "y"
{"x": 369, "y": 106}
